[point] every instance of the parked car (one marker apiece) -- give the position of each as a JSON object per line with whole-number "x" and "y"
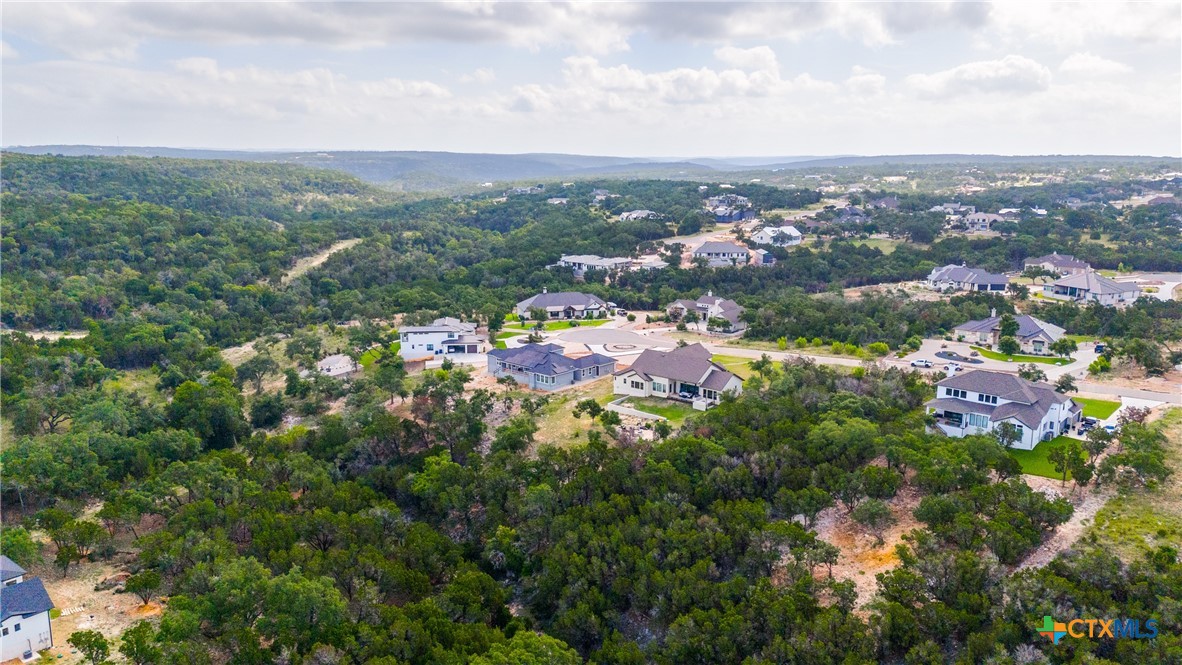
{"x": 1111, "y": 429}
{"x": 952, "y": 368}
{"x": 974, "y": 354}
{"x": 1100, "y": 347}
{"x": 920, "y": 362}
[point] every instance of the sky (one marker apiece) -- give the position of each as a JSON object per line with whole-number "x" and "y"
{"x": 657, "y": 79}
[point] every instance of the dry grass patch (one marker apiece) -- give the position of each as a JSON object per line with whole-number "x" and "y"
{"x": 557, "y": 424}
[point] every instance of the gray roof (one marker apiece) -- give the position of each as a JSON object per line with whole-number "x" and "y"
{"x": 726, "y": 308}
{"x": 1029, "y": 401}
{"x": 1058, "y": 260}
{"x": 562, "y": 299}
{"x": 24, "y": 598}
{"x": 1094, "y": 282}
{"x": 715, "y": 247}
{"x": 967, "y": 275}
{"x": 445, "y": 324}
{"x": 9, "y": 569}
{"x": 1028, "y": 326}
{"x": 689, "y": 364}
{"x": 548, "y": 359}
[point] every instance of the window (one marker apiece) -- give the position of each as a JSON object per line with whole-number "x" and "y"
{"x": 430, "y": 347}
{"x": 16, "y": 628}
{"x": 988, "y": 399}
{"x": 637, "y": 385}
{"x": 953, "y": 392}
{"x": 658, "y": 387}
{"x": 4, "y": 632}
{"x": 978, "y": 420}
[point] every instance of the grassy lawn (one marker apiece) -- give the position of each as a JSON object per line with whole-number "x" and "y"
{"x": 1046, "y": 360}
{"x": 884, "y": 245}
{"x": 557, "y": 426}
{"x": 1130, "y": 525}
{"x": 1035, "y": 462}
{"x": 556, "y": 325}
{"x": 675, "y": 412}
{"x": 499, "y": 343}
{"x": 740, "y": 367}
{"x": 368, "y": 357}
{"x": 142, "y": 381}
{"x": 1097, "y": 408}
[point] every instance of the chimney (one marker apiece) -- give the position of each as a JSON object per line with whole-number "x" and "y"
{"x": 544, "y": 289}
{"x": 710, "y": 293}
{"x": 992, "y": 312}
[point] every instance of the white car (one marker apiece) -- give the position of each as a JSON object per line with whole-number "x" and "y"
{"x": 953, "y": 368}
{"x": 921, "y": 363}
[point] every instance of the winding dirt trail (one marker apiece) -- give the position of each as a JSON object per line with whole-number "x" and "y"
{"x": 307, "y": 263}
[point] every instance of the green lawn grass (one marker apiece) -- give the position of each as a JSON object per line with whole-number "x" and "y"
{"x": 675, "y": 412}
{"x": 371, "y": 355}
{"x": 1097, "y": 408}
{"x": 557, "y": 325}
{"x": 1035, "y": 462}
{"x": 740, "y": 367}
{"x": 1046, "y": 360}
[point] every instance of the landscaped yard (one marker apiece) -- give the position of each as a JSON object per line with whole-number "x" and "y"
{"x": 366, "y": 359}
{"x": 1046, "y": 360}
{"x": 675, "y": 412}
{"x": 1097, "y": 408}
{"x": 555, "y": 325}
{"x": 740, "y": 367}
{"x": 501, "y": 337}
{"x": 1035, "y": 461}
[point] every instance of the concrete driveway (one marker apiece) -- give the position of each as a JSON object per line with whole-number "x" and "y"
{"x": 931, "y": 347}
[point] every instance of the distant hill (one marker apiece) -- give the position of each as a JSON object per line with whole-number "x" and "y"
{"x": 423, "y": 171}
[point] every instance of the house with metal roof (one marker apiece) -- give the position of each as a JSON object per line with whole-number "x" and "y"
{"x": 24, "y": 613}
{"x": 545, "y": 367}
{"x": 978, "y": 401}
{"x": 444, "y": 336}
{"x": 962, "y": 278}
{"x": 1034, "y": 335}
{"x": 686, "y": 373}
{"x": 1091, "y": 286}
{"x": 563, "y": 305}
{"x": 1063, "y": 264}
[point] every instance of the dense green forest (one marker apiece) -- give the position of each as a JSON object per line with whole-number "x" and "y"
{"x": 441, "y": 532}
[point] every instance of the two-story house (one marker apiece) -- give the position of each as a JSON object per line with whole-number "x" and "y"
{"x": 444, "y": 336}
{"x": 978, "y": 401}
{"x": 24, "y": 613}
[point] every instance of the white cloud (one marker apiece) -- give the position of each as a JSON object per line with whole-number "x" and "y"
{"x": 1075, "y": 24}
{"x": 481, "y": 75}
{"x": 7, "y": 51}
{"x": 760, "y": 58}
{"x": 1011, "y": 75}
{"x": 1088, "y": 64}
{"x": 865, "y": 82}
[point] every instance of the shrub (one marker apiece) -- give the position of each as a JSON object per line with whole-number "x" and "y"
{"x": 879, "y": 348}
{"x": 801, "y": 342}
{"x": 837, "y": 348}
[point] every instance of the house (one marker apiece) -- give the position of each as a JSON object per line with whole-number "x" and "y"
{"x": 444, "y": 336}
{"x": 977, "y": 401}
{"x": 1010, "y": 214}
{"x": 954, "y": 209}
{"x": 581, "y": 263}
{"x": 850, "y": 215}
{"x": 719, "y": 254}
{"x": 762, "y": 257}
{"x": 1063, "y": 264}
{"x": 634, "y": 215}
{"x": 886, "y": 202}
{"x": 1035, "y": 335}
{"x": 981, "y": 221}
{"x": 564, "y": 305}
{"x": 960, "y": 278}
{"x": 558, "y": 201}
{"x": 781, "y": 236}
{"x": 686, "y": 373}
{"x": 544, "y": 367}
{"x": 24, "y": 613}
{"x": 337, "y": 366}
{"x": 1091, "y": 286}
{"x": 710, "y": 307}
{"x": 729, "y": 208}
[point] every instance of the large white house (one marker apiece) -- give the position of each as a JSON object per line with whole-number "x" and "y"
{"x": 978, "y": 401}
{"x": 781, "y": 236}
{"x": 1063, "y": 264}
{"x": 1090, "y": 286}
{"x": 719, "y": 254}
{"x": 24, "y": 613}
{"x": 444, "y": 336}
{"x": 563, "y": 305}
{"x": 685, "y": 373}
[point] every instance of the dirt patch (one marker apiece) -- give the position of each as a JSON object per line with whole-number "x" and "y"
{"x": 83, "y": 608}
{"x": 307, "y": 263}
{"x": 860, "y": 559}
{"x": 51, "y": 335}
{"x": 1087, "y": 503}
{"x": 1127, "y": 375}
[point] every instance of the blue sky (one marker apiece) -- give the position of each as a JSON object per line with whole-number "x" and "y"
{"x": 639, "y": 79}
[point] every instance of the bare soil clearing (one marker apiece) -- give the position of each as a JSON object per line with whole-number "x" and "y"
{"x": 307, "y": 263}
{"x": 1087, "y": 502}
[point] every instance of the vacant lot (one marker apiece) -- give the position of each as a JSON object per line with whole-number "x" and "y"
{"x": 1131, "y": 525}
{"x": 558, "y": 426}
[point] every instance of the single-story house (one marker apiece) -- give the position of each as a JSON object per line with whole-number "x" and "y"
{"x": 544, "y": 367}
{"x": 1063, "y": 264}
{"x": 978, "y": 401}
{"x": 886, "y": 202}
{"x": 337, "y": 366}
{"x": 685, "y": 373}
{"x": 634, "y": 215}
{"x": 781, "y": 236}
{"x": 443, "y": 337}
{"x": 24, "y": 613}
{"x": 709, "y": 307}
{"x": 558, "y": 201}
{"x": 1035, "y": 335}
{"x": 961, "y": 278}
{"x": 563, "y": 305}
{"x": 1091, "y": 286}
{"x": 720, "y": 254}
{"x": 581, "y": 263}
{"x": 954, "y": 209}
